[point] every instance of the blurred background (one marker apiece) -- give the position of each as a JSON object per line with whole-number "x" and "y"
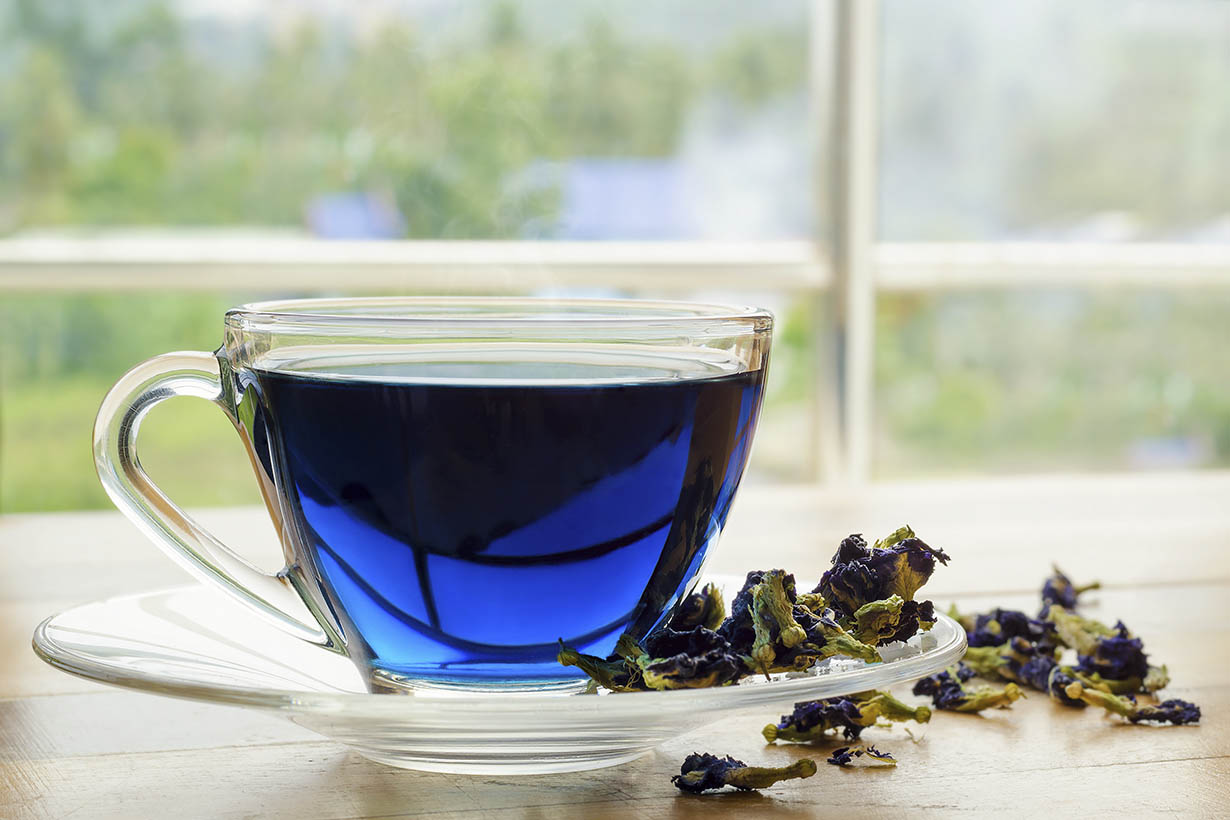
{"x": 996, "y": 236}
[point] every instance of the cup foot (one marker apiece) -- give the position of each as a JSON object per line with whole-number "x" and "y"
{"x": 482, "y": 762}
{"x": 383, "y": 681}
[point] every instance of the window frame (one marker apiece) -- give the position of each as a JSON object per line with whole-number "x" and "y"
{"x": 841, "y": 276}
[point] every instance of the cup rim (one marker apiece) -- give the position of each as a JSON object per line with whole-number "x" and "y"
{"x": 490, "y": 312}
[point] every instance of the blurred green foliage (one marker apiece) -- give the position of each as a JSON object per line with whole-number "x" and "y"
{"x": 1026, "y": 380}
{"x": 59, "y": 353}
{"x": 128, "y": 124}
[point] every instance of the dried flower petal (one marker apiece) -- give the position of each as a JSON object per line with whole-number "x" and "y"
{"x": 1116, "y": 657}
{"x": 695, "y": 659}
{"x": 1076, "y": 631}
{"x": 846, "y": 754}
{"x": 1002, "y": 625}
{"x": 813, "y": 719}
{"x": 701, "y": 772}
{"x": 892, "y": 619}
{"x": 898, "y": 565}
{"x": 1173, "y": 711}
{"x": 1061, "y": 678}
{"x": 612, "y": 675}
{"x": 948, "y": 691}
{"x": 1059, "y": 590}
{"x": 705, "y": 608}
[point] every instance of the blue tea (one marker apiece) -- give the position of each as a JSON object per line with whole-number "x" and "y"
{"x": 460, "y": 517}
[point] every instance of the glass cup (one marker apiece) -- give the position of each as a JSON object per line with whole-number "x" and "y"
{"x": 461, "y": 484}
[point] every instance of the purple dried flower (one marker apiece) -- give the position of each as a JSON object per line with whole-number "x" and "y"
{"x": 898, "y": 565}
{"x": 701, "y": 772}
{"x": 846, "y": 754}
{"x": 814, "y": 717}
{"x": 841, "y": 757}
{"x": 705, "y": 608}
{"x": 1001, "y": 625}
{"x": 1119, "y": 657}
{"x": 933, "y": 683}
{"x": 948, "y": 692}
{"x": 1173, "y": 711}
{"x": 1059, "y": 589}
{"x": 1059, "y": 684}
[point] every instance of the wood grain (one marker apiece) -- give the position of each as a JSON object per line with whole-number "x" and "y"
{"x": 1162, "y": 543}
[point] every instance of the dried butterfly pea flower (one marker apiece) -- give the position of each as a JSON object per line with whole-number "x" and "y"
{"x": 751, "y": 627}
{"x": 846, "y": 754}
{"x": 1157, "y": 678}
{"x": 894, "y": 538}
{"x": 1001, "y": 625}
{"x": 813, "y": 719}
{"x": 1173, "y": 711}
{"x": 714, "y": 668}
{"x": 668, "y": 641}
{"x": 932, "y": 683}
{"x": 948, "y": 692}
{"x": 983, "y": 660}
{"x": 1018, "y": 660}
{"x": 897, "y": 565}
{"x": 1116, "y": 657}
{"x": 705, "y": 608}
{"x": 1061, "y": 678}
{"x": 1076, "y": 631}
{"x": 610, "y": 674}
{"x": 892, "y": 619}
{"x": 695, "y": 659}
{"x": 777, "y": 630}
{"x": 1108, "y": 654}
{"x": 1034, "y": 673}
{"x": 701, "y": 772}
{"x": 824, "y": 638}
{"x": 1059, "y": 589}
{"x": 773, "y": 620}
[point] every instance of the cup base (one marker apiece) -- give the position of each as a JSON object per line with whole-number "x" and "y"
{"x": 383, "y": 681}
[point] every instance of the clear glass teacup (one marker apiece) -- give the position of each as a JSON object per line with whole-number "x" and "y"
{"x": 460, "y": 484}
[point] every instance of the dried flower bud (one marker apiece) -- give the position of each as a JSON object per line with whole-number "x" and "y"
{"x": 1002, "y": 625}
{"x": 701, "y": 772}
{"x": 846, "y": 754}
{"x": 1076, "y": 631}
{"x": 898, "y": 565}
{"x": 612, "y": 675}
{"x": 1059, "y": 590}
{"x": 1116, "y": 657}
{"x": 892, "y": 619}
{"x": 813, "y": 719}
{"x": 1061, "y": 678}
{"x": 1173, "y": 711}
{"x": 705, "y": 608}
{"x": 948, "y": 692}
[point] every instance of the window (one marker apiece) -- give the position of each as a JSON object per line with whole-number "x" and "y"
{"x": 210, "y": 149}
{"x": 1056, "y": 130}
{"x": 995, "y": 235}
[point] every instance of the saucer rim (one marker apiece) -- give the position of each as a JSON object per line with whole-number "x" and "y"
{"x": 320, "y": 701}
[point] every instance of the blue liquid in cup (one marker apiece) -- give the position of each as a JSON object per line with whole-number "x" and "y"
{"x": 460, "y": 517}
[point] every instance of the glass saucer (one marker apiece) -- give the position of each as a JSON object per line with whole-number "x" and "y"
{"x": 189, "y": 642}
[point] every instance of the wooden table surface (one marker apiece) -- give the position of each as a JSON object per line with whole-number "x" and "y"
{"x": 1160, "y": 543}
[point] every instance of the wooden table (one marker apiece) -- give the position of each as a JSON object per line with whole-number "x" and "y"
{"x": 1160, "y": 543}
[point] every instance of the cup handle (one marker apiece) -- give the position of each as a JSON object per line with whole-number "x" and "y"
{"x": 115, "y": 456}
